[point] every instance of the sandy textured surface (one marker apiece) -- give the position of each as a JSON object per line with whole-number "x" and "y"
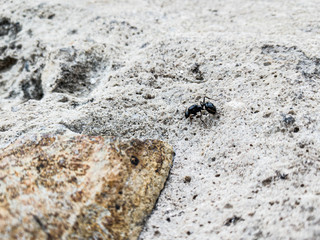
{"x": 131, "y": 68}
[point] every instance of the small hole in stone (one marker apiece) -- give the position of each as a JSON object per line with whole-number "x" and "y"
{"x": 134, "y": 160}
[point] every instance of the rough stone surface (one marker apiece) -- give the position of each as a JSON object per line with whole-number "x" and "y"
{"x": 80, "y": 187}
{"x": 254, "y": 166}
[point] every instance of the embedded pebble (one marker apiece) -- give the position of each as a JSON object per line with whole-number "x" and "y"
{"x": 80, "y": 187}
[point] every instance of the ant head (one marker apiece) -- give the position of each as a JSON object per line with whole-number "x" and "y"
{"x": 210, "y": 108}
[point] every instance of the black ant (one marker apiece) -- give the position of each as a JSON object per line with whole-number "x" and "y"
{"x": 194, "y": 109}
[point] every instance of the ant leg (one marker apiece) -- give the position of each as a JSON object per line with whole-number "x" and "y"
{"x": 191, "y": 117}
{"x": 201, "y": 117}
{"x": 202, "y": 120}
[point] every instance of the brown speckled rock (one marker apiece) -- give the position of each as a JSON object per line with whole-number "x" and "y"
{"x": 81, "y": 187}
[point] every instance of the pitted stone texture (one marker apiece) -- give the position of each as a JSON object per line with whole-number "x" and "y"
{"x": 74, "y": 71}
{"x": 81, "y": 187}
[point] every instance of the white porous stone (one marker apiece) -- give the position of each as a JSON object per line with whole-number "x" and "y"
{"x": 131, "y": 68}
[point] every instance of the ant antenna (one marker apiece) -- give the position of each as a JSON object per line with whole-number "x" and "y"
{"x": 208, "y": 97}
{"x": 204, "y": 100}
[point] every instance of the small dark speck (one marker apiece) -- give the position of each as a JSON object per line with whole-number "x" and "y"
{"x": 62, "y": 163}
{"x": 233, "y": 220}
{"x": 282, "y": 176}
{"x": 188, "y": 233}
{"x": 74, "y": 104}
{"x": 12, "y": 46}
{"x": 195, "y": 196}
{"x": 37, "y": 219}
{"x": 195, "y": 68}
{"x": 144, "y": 45}
{"x": 168, "y": 219}
{"x": 288, "y": 120}
{"x": 29, "y": 32}
{"x": 63, "y": 99}
{"x": 266, "y": 115}
{"x": 73, "y": 31}
{"x": 134, "y": 160}
{"x": 296, "y": 129}
{"x": 228, "y": 205}
{"x": 187, "y": 179}
{"x": 43, "y": 227}
{"x": 267, "y": 181}
{"x": 311, "y": 218}
{"x": 51, "y": 16}
{"x": 148, "y": 96}
{"x": 40, "y": 166}
{"x": 213, "y": 10}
